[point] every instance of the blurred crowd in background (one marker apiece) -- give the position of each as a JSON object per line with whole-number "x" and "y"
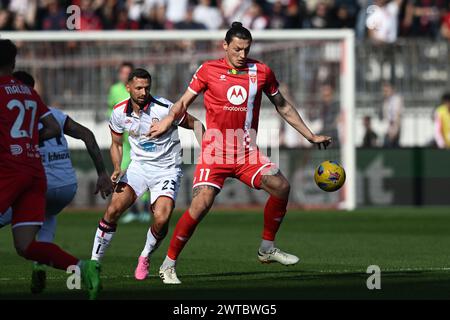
{"x": 380, "y": 20}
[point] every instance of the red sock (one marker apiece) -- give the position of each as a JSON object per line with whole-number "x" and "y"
{"x": 184, "y": 229}
{"x": 274, "y": 212}
{"x": 50, "y": 254}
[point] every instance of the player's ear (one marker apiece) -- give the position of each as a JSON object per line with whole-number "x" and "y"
{"x": 225, "y": 45}
{"x": 128, "y": 87}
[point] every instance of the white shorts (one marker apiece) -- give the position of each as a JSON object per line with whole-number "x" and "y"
{"x": 141, "y": 177}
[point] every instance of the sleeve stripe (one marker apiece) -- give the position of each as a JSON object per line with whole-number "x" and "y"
{"x": 192, "y": 91}
{"x": 45, "y": 114}
{"x": 115, "y": 132}
{"x": 182, "y": 119}
{"x": 274, "y": 93}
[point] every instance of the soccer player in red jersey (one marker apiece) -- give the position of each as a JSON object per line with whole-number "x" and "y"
{"x": 232, "y": 88}
{"x": 23, "y": 183}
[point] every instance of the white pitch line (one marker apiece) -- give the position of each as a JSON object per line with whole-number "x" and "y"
{"x": 307, "y": 273}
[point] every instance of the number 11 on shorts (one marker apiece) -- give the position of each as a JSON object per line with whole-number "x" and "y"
{"x": 202, "y": 172}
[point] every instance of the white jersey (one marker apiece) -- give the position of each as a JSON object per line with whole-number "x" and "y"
{"x": 164, "y": 151}
{"x": 56, "y": 156}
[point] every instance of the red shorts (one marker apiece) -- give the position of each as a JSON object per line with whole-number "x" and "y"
{"x": 248, "y": 170}
{"x": 25, "y": 194}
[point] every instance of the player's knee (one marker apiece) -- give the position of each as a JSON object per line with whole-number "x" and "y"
{"x": 199, "y": 209}
{"x": 112, "y": 214}
{"x": 162, "y": 217}
{"x": 285, "y": 188}
{"x": 21, "y": 249}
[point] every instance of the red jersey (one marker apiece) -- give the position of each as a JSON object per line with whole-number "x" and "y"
{"x": 20, "y": 111}
{"x": 232, "y": 97}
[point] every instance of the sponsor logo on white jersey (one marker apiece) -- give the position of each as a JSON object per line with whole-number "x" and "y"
{"x": 237, "y": 95}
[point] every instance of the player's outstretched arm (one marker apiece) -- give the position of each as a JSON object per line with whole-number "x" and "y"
{"x": 116, "y": 151}
{"x": 291, "y": 115}
{"x": 192, "y": 123}
{"x": 78, "y": 131}
{"x": 176, "y": 113}
{"x": 50, "y": 129}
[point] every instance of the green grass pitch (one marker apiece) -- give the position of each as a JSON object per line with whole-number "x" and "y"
{"x": 411, "y": 246}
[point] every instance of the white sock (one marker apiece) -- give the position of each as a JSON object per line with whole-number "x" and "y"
{"x": 266, "y": 246}
{"x": 101, "y": 243}
{"x": 168, "y": 263}
{"x": 47, "y": 231}
{"x": 151, "y": 244}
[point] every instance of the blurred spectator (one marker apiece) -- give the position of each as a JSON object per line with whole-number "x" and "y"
{"x": 154, "y": 14}
{"x": 423, "y": 17}
{"x": 418, "y": 17}
{"x": 25, "y": 8}
{"x": 189, "y": 24}
{"x": 296, "y": 14}
{"x": 442, "y": 123}
{"x": 445, "y": 27}
{"x": 135, "y": 9}
{"x": 89, "y": 20}
{"x": 391, "y": 113}
{"x": 320, "y": 18}
{"x": 124, "y": 23}
{"x": 254, "y": 17}
{"x": 19, "y": 23}
{"x": 234, "y": 10}
{"x": 382, "y": 22}
{"x": 351, "y": 6}
{"x": 329, "y": 113}
{"x": 175, "y": 12}
{"x": 344, "y": 18}
{"x": 278, "y": 15}
{"x": 361, "y": 18}
{"x": 207, "y": 14}
{"x": 5, "y": 20}
{"x": 56, "y": 18}
{"x": 108, "y": 13}
{"x": 118, "y": 91}
{"x": 370, "y": 137}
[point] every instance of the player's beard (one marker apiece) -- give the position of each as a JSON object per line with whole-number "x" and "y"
{"x": 141, "y": 103}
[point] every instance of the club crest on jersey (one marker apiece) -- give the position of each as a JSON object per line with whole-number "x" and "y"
{"x": 237, "y": 95}
{"x": 234, "y": 71}
{"x": 155, "y": 120}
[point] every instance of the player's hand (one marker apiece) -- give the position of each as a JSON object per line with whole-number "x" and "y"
{"x": 158, "y": 128}
{"x": 321, "y": 141}
{"x": 104, "y": 185}
{"x": 116, "y": 175}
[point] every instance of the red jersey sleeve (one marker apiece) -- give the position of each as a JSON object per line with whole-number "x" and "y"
{"x": 271, "y": 85}
{"x": 199, "y": 80}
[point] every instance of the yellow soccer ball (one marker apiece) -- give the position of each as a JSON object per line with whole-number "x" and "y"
{"x": 329, "y": 176}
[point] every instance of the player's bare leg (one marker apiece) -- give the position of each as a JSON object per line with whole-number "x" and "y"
{"x": 278, "y": 188}
{"x": 202, "y": 200}
{"x": 162, "y": 210}
{"x": 122, "y": 198}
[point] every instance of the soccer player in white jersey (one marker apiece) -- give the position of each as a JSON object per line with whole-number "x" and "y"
{"x": 155, "y": 166}
{"x": 61, "y": 177}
